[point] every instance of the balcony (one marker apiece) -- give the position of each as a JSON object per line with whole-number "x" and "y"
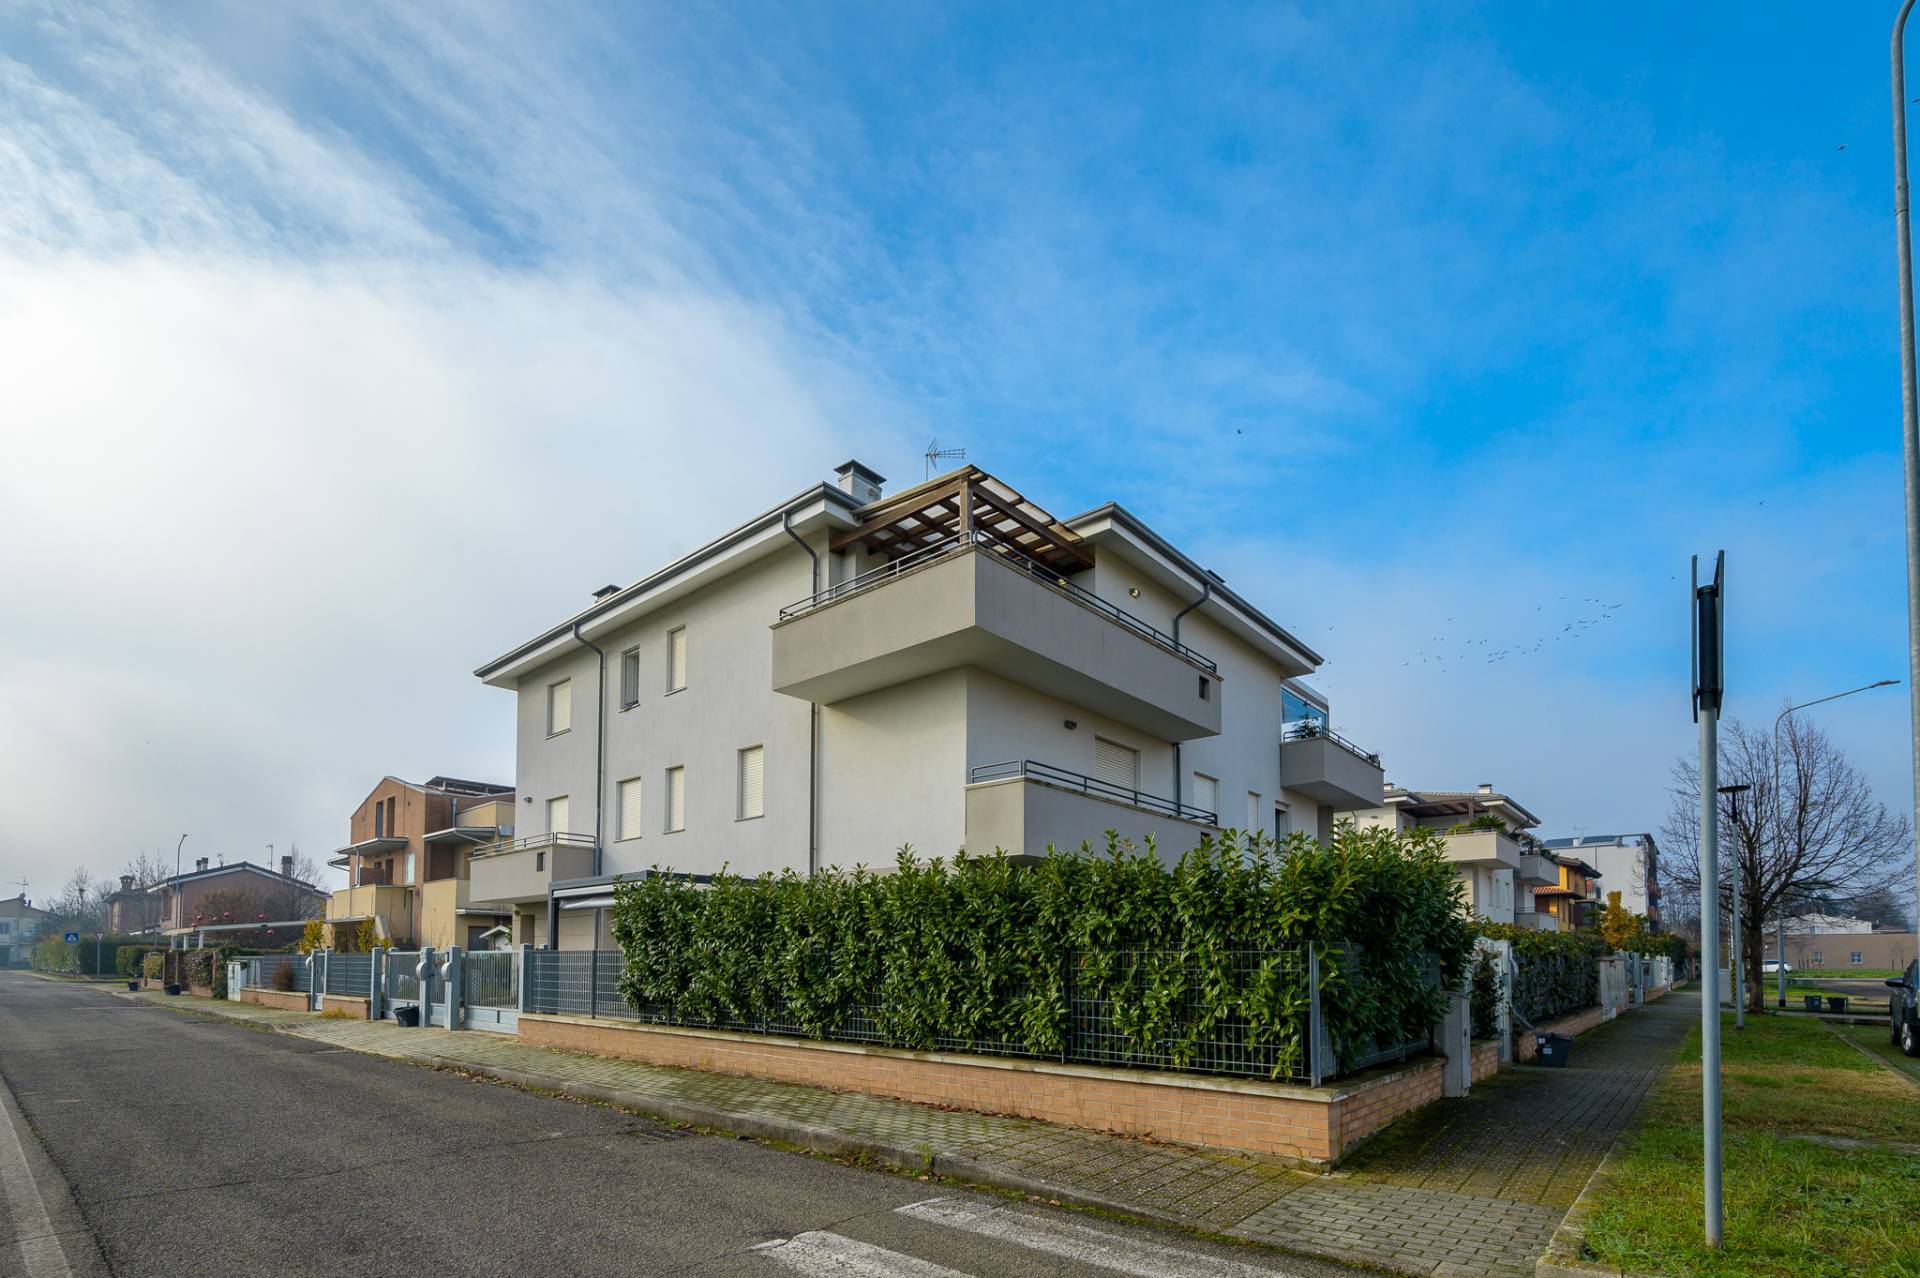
{"x": 1484, "y": 849}
{"x": 1537, "y": 920}
{"x": 519, "y": 870}
{"x": 969, "y": 601}
{"x": 1025, "y": 806}
{"x": 447, "y": 904}
{"x": 1327, "y": 768}
{"x": 389, "y": 905}
{"x": 1538, "y": 872}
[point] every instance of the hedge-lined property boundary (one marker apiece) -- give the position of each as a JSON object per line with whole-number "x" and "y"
{"x": 996, "y": 950}
{"x": 1555, "y": 972}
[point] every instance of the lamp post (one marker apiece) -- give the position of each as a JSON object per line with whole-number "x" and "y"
{"x": 1779, "y": 829}
{"x": 1909, "y": 411}
{"x": 1735, "y": 966}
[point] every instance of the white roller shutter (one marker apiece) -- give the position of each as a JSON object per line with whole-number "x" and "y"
{"x": 1206, "y": 793}
{"x": 677, "y": 659}
{"x": 630, "y": 809}
{"x": 557, "y": 816}
{"x": 560, "y": 706}
{"x": 1253, "y": 814}
{"x": 1116, "y": 764}
{"x": 676, "y": 799}
{"x": 752, "y": 782}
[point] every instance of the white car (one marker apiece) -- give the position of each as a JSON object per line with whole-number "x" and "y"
{"x": 1770, "y": 966}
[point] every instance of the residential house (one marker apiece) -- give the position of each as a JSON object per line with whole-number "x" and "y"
{"x": 1836, "y": 951}
{"x": 852, "y": 672}
{"x": 1630, "y": 863}
{"x": 1576, "y": 900}
{"x": 1816, "y": 924}
{"x": 1488, "y": 841}
{"x": 407, "y": 861}
{"x": 20, "y": 920}
{"x": 233, "y": 894}
{"x": 131, "y": 909}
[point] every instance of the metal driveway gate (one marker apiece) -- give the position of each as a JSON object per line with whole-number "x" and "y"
{"x": 490, "y": 990}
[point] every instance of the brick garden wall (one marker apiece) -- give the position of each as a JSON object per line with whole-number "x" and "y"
{"x": 285, "y": 1000}
{"x": 1314, "y": 1124}
{"x": 344, "y": 1003}
{"x": 1486, "y": 1059}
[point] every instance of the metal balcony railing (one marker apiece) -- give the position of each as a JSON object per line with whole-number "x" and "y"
{"x": 1313, "y": 729}
{"x": 1046, "y": 772}
{"x": 535, "y": 842}
{"x": 1048, "y": 577}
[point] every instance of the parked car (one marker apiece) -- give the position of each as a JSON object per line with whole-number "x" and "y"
{"x": 1771, "y": 966}
{"x": 1904, "y": 1009}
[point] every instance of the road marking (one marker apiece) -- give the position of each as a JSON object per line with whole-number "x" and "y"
{"x": 822, "y": 1255}
{"x": 1074, "y": 1241}
{"x": 40, "y": 1249}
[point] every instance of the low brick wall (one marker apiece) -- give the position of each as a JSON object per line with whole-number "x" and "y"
{"x": 344, "y": 1003}
{"x": 1486, "y": 1059}
{"x": 1309, "y": 1123}
{"x": 1572, "y": 1025}
{"x": 285, "y": 1000}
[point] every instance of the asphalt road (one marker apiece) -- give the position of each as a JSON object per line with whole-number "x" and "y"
{"x": 139, "y": 1141}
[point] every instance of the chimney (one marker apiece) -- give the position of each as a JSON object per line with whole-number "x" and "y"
{"x": 286, "y": 866}
{"x": 126, "y": 883}
{"x": 864, "y": 484}
{"x": 201, "y": 864}
{"x": 1486, "y": 787}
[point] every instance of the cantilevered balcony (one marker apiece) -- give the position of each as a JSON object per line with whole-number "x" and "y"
{"x": 1328, "y": 768}
{"x": 969, "y": 600}
{"x": 1486, "y": 849}
{"x": 520, "y": 870}
{"x": 1024, "y": 806}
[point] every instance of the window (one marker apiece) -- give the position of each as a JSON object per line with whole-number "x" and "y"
{"x": 1294, "y": 707}
{"x": 1282, "y": 822}
{"x": 1819, "y": 959}
{"x": 1116, "y": 764}
{"x": 409, "y": 869}
{"x": 393, "y": 826}
{"x": 540, "y": 860}
{"x": 629, "y": 678}
{"x": 1856, "y": 958}
{"x": 676, "y": 659}
{"x": 752, "y": 789}
{"x": 630, "y": 809}
{"x": 1205, "y": 687}
{"x": 559, "y": 817}
{"x": 676, "y": 799}
{"x": 1253, "y": 813}
{"x": 380, "y": 819}
{"x": 1206, "y": 793}
{"x": 559, "y": 707}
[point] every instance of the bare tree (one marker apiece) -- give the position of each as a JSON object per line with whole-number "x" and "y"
{"x": 1827, "y": 837}
{"x": 288, "y": 901}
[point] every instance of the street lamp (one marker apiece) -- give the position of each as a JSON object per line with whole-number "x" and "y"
{"x": 1734, "y": 965}
{"x": 1779, "y": 830}
{"x": 1909, "y": 411}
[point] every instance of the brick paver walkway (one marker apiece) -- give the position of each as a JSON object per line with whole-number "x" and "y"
{"x": 1472, "y": 1186}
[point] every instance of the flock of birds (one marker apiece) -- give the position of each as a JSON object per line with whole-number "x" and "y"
{"x": 1460, "y": 651}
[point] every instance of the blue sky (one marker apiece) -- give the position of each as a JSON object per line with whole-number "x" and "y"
{"x": 1442, "y": 332}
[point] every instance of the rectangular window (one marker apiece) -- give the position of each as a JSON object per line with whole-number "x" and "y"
{"x": 676, "y": 799}
{"x": 629, "y": 678}
{"x": 1819, "y": 958}
{"x": 1253, "y": 813}
{"x": 540, "y": 860}
{"x": 380, "y": 819}
{"x": 630, "y": 808}
{"x": 559, "y": 818}
{"x": 559, "y": 707}
{"x": 1206, "y": 793}
{"x": 1116, "y": 764}
{"x": 1282, "y": 822}
{"x": 409, "y": 869}
{"x": 1856, "y": 958}
{"x": 676, "y": 659}
{"x": 752, "y": 788}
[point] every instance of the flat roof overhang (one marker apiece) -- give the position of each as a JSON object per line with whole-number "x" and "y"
{"x": 367, "y": 847}
{"x": 464, "y": 834}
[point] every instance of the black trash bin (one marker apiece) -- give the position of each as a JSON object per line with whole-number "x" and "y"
{"x": 133, "y": 987}
{"x": 1553, "y": 1050}
{"x": 1813, "y": 1002}
{"x": 1836, "y": 1002}
{"x": 408, "y": 1016}
{"x": 173, "y": 989}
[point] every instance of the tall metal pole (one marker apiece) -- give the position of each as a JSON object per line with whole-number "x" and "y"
{"x": 1710, "y": 970}
{"x": 1909, "y": 411}
{"x": 1738, "y": 964}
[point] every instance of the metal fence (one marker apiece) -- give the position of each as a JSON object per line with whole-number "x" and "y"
{"x": 401, "y": 984}
{"x": 1210, "y": 1013}
{"x": 262, "y": 972}
{"x": 350, "y": 974}
{"x": 490, "y": 978}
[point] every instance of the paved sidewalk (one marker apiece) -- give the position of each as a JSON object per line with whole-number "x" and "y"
{"x": 1467, "y": 1187}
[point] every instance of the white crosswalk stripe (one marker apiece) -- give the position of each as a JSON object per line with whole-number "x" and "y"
{"x": 823, "y": 1255}
{"x": 1074, "y": 1241}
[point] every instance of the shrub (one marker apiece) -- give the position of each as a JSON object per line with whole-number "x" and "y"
{"x": 1485, "y": 996}
{"x": 280, "y": 977}
{"x": 313, "y": 936}
{"x": 1557, "y": 972}
{"x": 153, "y": 965}
{"x": 984, "y": 950}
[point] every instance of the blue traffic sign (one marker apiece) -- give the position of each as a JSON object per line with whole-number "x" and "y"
{"x": 71, "y": 936}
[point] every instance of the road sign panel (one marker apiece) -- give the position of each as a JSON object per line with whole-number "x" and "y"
{"x": 71, "y": 936}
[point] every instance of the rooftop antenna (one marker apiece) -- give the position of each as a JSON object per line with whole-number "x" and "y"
{"x": 935, "y": 453}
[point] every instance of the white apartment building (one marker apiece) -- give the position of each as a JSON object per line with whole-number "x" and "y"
{"x": 947, "y": 667}
{"x": 1630, "y": 864}
{"x": 1501, "y": 867}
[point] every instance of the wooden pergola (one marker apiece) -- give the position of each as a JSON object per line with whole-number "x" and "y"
{"x": 968, "y": 502}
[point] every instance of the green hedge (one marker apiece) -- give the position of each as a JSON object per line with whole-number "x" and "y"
{"x": 1556, "y": 972}
{"x": 984, "y": 950}
{"x": 81, "y": 958}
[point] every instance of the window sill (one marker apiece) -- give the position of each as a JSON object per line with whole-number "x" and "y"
{"x": 758, "y": 816}
{"x": 631, "y": 705}
{"x": 681, "y": 830}
{"x": 674, "y": 692}
{"x": 563, "y": 732}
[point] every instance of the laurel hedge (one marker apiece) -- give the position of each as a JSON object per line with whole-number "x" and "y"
{"x": 1555, "y": 972}
{"x": 991, "y": 949}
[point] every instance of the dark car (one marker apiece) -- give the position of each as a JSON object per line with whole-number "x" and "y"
{"x": 1904, "y": 1007}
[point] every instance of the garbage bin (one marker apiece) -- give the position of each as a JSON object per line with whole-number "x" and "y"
{"x": 1553, "y": 1050}
{"x": 1813, "y": 1002}
{"x": 409, "y": 1015}
{"x": 1836, "y": 1002}
{"x": 173, "y": 989}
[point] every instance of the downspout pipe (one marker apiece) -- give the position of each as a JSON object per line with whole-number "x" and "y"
{"x": 813, "y": 718}
{"x": 1206, "y": 593}
{"x": 599, "y": 790}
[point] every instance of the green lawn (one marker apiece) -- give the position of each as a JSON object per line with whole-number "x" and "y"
{"x": 1842, "y": 973}
{"x": 1792, "y": 1207}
